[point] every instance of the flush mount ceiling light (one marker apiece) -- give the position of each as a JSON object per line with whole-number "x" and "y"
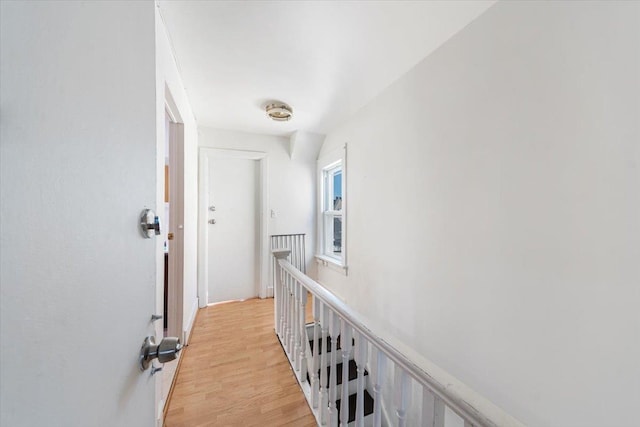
{"x": 279, "y": 111}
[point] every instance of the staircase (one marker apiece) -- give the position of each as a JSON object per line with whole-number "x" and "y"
{"x": 343, "y": 367}
{"x": 349, "y": 377}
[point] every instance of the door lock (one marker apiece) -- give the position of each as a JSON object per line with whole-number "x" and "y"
{"x": 166, "y": 351}
{"x": 149, "y": 223}
{"x": 212, "y": 221}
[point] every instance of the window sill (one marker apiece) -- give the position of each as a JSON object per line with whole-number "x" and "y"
{"x": 331, "y": 263}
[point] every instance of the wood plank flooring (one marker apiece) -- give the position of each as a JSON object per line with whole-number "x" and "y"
{"x": 235, "y": 373}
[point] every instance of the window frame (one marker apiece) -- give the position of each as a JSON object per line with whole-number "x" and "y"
{"x": 328, "y": 165}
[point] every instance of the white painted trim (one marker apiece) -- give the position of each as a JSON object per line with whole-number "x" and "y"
{"x": 264, "y": 225}
{"x": 325, "y": 162}
{"x": 176, "y": 286}
{"x": 170, "y": 105}
{"x": 331, "y": 263}
{"x": 203, "y": 247}
{"x": 192, "y": 318}
{"x": 203, "y": 199}
{"x": 233, "y": 154}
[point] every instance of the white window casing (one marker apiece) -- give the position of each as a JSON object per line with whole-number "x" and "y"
{"x": 332, "y": 205}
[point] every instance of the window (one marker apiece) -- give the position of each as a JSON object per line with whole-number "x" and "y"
{"x": 332, "y": 211}
{"x": 331, "y": 218}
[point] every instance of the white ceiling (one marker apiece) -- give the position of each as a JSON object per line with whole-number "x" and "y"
{"x": 326, "y": 59}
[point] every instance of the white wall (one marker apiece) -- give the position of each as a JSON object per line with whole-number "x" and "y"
{"x": 494, "y": 210}
{"x": 168, "y": 79}
{"x": 77, "y": 166}
{"x": 291, "y": 183}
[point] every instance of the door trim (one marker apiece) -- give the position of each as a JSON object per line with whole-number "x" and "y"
{"x": 206, "y": 153}
{"x": 176, "y": 226}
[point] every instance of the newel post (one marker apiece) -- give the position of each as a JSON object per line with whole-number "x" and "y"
{"x": 278, "y": 291}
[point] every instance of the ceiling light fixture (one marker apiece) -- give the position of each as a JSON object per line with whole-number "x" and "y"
{"x": 279, "y": 111}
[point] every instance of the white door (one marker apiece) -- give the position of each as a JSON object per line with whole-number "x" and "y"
{"x": 233, "y": 238}
{"x": 78, "y": 163}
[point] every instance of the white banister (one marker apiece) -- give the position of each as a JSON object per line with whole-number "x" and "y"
{"x": 296, "y": 327}
{"x": 332, "y": 318}
{"x": 346, "y": 354}
{"x": 333, "y": 383}
{"x": 324, "y": 383}
{"x": 402, "y": 395}
{"x": 377, "y": 388}
{"x": 292, "y": 317}
{"x": 302, "y": 337}
{"x": 432, "y": 409}
{"x": 315, "y": 363}
{"x": 361, "y": 351}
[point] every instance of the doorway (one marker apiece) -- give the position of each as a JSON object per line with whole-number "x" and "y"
{"x": 174, "y": 218}
{"x": 173, "y": 238}
{"x": 233, "y": 225}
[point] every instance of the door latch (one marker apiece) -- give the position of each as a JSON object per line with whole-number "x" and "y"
{"x": 149, "y": 223}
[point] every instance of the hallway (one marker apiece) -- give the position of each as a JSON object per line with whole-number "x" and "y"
{"x": 234, "y": 372}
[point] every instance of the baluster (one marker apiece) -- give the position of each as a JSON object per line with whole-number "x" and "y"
{"x": 287, "y": 337}
{"x": 315, "y": 389}
{"x": 285, "y": 312}
{"x": 292, "y": 317}
{"x": 304, "y": 256}
{"x": 303, "y": 334}
{"x": 296, "y": 325}
{"x": 432, "y": 409}
{"x": 283, "y": 299}
{"x": 377, "y": 388}
{"x": 276, "y": 297}
{"x": 292, "y": 259}
{"x": 361, "y": 352}
{"x": 402, "y": 395}
{"x": 283, "y": 294}
{"x": 345, "y": 339}
{"x": 334, "y": 331}
{"x": 324, "y": 395}
{"x": 436, "y": 416}
{"x": 298, "y": 266}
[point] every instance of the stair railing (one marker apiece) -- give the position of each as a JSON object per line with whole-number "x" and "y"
{"x": 336, "y": 324}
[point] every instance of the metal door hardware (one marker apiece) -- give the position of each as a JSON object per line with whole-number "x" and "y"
{"x": 155, "y": 317}
{"x": 149, "y": 223}
{"x": 212, "y": 221}
{"x": 212, "y": 208}
{"x": 166, "y": 351}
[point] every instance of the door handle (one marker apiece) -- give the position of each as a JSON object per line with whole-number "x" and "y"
{"x": 166, "y": 351}
{"x": 212, "y": 221}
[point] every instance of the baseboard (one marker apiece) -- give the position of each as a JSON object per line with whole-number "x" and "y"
{"x": 186, "y": 333}
{"x": 270, "y": 292}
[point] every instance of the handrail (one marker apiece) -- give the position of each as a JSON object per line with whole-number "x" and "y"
{"x": 459, "y": 397}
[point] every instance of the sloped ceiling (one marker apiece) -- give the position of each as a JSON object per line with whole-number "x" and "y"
{"x": 326, "y": 59}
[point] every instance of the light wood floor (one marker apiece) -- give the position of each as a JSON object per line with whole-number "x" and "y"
{"x": 234, "y": 372}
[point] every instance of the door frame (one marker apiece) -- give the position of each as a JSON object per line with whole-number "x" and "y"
{"x": 175, "y": 307}
{"x": 206, "y": 153}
